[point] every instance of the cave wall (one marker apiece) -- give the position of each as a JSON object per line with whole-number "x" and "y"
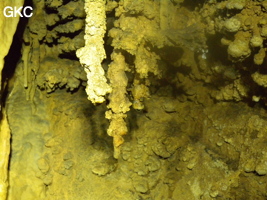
{"x": 8, "y": 28}
{"x": 184, "y": 88}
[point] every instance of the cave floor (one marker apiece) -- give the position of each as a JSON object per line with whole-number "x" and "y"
{"x": 174, "y": 150}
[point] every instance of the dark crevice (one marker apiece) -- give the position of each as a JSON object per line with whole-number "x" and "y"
{"x": 217, "y": 51}
{"x": 54, "y": 10}
{"x": 66, "y": 2}
{"x": 50, "y": 11}
{"x": 69, "y": 55}
{"x": 109, "y": 25}
{"x": 71, "y": 35}
{"x": 14, "y": 55}
{"x": 191, "y": 4}
{"x": 62, "y": 22}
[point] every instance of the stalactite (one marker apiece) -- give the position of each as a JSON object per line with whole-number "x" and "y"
{"x": 119, "y": 102}
{"x": 25, "y": 58}
{"x": 93, "y": 53}
{"x": 34, "y": 66}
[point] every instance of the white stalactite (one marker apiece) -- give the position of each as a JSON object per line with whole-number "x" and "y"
{"x": 93, "y": 53}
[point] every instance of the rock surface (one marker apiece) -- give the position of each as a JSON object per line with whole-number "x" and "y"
{"x": 189, "y": 88}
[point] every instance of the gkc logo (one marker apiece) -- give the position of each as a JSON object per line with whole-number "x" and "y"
{"x": 13, "y": 12}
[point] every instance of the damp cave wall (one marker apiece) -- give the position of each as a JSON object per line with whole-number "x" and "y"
{"x": 196, "y": 85}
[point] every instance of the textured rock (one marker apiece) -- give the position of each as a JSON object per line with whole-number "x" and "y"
{"x": 196, "y": 134}
{"x": 8, "y": 27}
